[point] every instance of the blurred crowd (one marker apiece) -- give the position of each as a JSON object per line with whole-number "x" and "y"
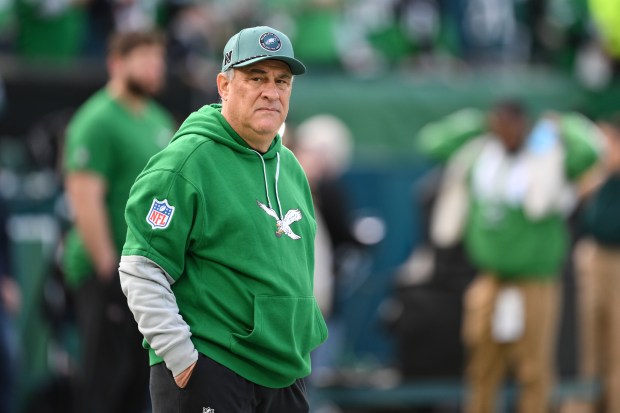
{"x": 363, "y": 37}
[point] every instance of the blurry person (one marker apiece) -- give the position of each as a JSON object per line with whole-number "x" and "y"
{"x": 50, "y": 32}
{"x": 597, "y": 260}
{"x": 109, "y": 141}
{"x": 218, "y": 262}
{"x": 323, "y": 145}
{"x": 10, "y": 303}
{"x": 506, "y": 193}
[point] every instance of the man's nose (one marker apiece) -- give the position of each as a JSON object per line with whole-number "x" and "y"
{"x": 270, "y": 91}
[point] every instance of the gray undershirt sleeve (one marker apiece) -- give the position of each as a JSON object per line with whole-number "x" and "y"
{"x": 153, "y": 304}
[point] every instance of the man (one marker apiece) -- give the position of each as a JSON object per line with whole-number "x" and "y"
{"x": 512, "y": 187}
{"x": 597, "y": 261}
{"x": 218, "y": 262}
{"x": 109, "y": 141}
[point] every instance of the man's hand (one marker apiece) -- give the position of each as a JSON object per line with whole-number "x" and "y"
{"x": 87, "y": 195}
{"x": 107, "y": 268}
{"x": 182, "y": 378}
{"x": 10, "y": 295}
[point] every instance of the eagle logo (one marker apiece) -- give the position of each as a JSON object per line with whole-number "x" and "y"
{"x": 284, "y": 224}
{"x": 270, "y": 42}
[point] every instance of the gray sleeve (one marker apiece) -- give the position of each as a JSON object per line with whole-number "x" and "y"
{"x": 154, "y": 306}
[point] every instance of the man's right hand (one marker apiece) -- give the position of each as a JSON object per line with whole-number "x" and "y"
{"x": 182, "y": 378}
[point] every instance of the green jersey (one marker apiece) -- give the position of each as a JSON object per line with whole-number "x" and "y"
{"x": 503, "y": 232}
{"x": 234, "y": 231}
{"x": 50, "y": 29}
{"x": 109, "y": 140}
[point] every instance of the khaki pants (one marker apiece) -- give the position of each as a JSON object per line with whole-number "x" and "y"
{"x": 598, "y": 281}
{"x": 531, "y": 356}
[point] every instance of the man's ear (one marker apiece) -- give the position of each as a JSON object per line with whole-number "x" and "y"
{"x": 223, "y": 86}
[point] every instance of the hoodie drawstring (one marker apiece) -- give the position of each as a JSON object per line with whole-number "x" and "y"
{"x": 267, "y": 185}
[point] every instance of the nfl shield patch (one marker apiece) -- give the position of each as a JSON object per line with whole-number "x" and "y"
{"x": 160, "y": 214}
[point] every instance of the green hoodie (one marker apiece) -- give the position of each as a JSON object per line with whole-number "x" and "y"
{"x": 234, "y": 229}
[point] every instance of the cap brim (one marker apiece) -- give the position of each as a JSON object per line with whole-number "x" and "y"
{"x": 297, "y": 68}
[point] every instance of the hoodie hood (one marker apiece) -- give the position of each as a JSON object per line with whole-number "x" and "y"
{"x": 209, "y": 123}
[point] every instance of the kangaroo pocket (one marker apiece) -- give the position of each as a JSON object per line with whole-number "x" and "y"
{"x": 285, "y": 331}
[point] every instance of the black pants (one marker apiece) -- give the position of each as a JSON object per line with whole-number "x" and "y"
{"x": 214, "y": 388}
{"x": 113, "y": 372}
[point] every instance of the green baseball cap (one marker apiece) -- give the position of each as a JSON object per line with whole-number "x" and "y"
{"x": 255, "y": 44}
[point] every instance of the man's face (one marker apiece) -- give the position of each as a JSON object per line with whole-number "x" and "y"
{"x": 256, "y": 99}
{"x": 511, "y": 129}
{"x": 143, "y": 70}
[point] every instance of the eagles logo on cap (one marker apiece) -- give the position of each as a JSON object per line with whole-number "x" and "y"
{"x": 270, "y": 42}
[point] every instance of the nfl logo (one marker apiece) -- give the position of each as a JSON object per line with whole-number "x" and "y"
{"x": 160, "y": 214}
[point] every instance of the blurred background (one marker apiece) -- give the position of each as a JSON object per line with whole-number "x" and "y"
{"x": 378, "y": 70}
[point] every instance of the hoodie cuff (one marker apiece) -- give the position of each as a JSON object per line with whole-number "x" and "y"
{"x": 180, "y": 357}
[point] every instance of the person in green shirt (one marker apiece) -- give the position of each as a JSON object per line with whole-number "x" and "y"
{"x": 506, "y": 193}
{"x": 51, "y": 32}
{"x": 109, "y": 141}
{"x": 219, "y": 258}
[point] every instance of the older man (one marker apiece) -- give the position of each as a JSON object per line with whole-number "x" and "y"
{"x": 218, "y": 262}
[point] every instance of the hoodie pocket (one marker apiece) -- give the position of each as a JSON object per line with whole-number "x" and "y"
{"x": 286, "y": 330}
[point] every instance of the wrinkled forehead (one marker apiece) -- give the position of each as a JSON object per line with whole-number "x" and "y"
{"x": 277, "y": 67}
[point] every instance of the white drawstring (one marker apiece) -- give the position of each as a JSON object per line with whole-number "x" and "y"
{"x": 277, "y": 177}
{"x": 265, "y": 179}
